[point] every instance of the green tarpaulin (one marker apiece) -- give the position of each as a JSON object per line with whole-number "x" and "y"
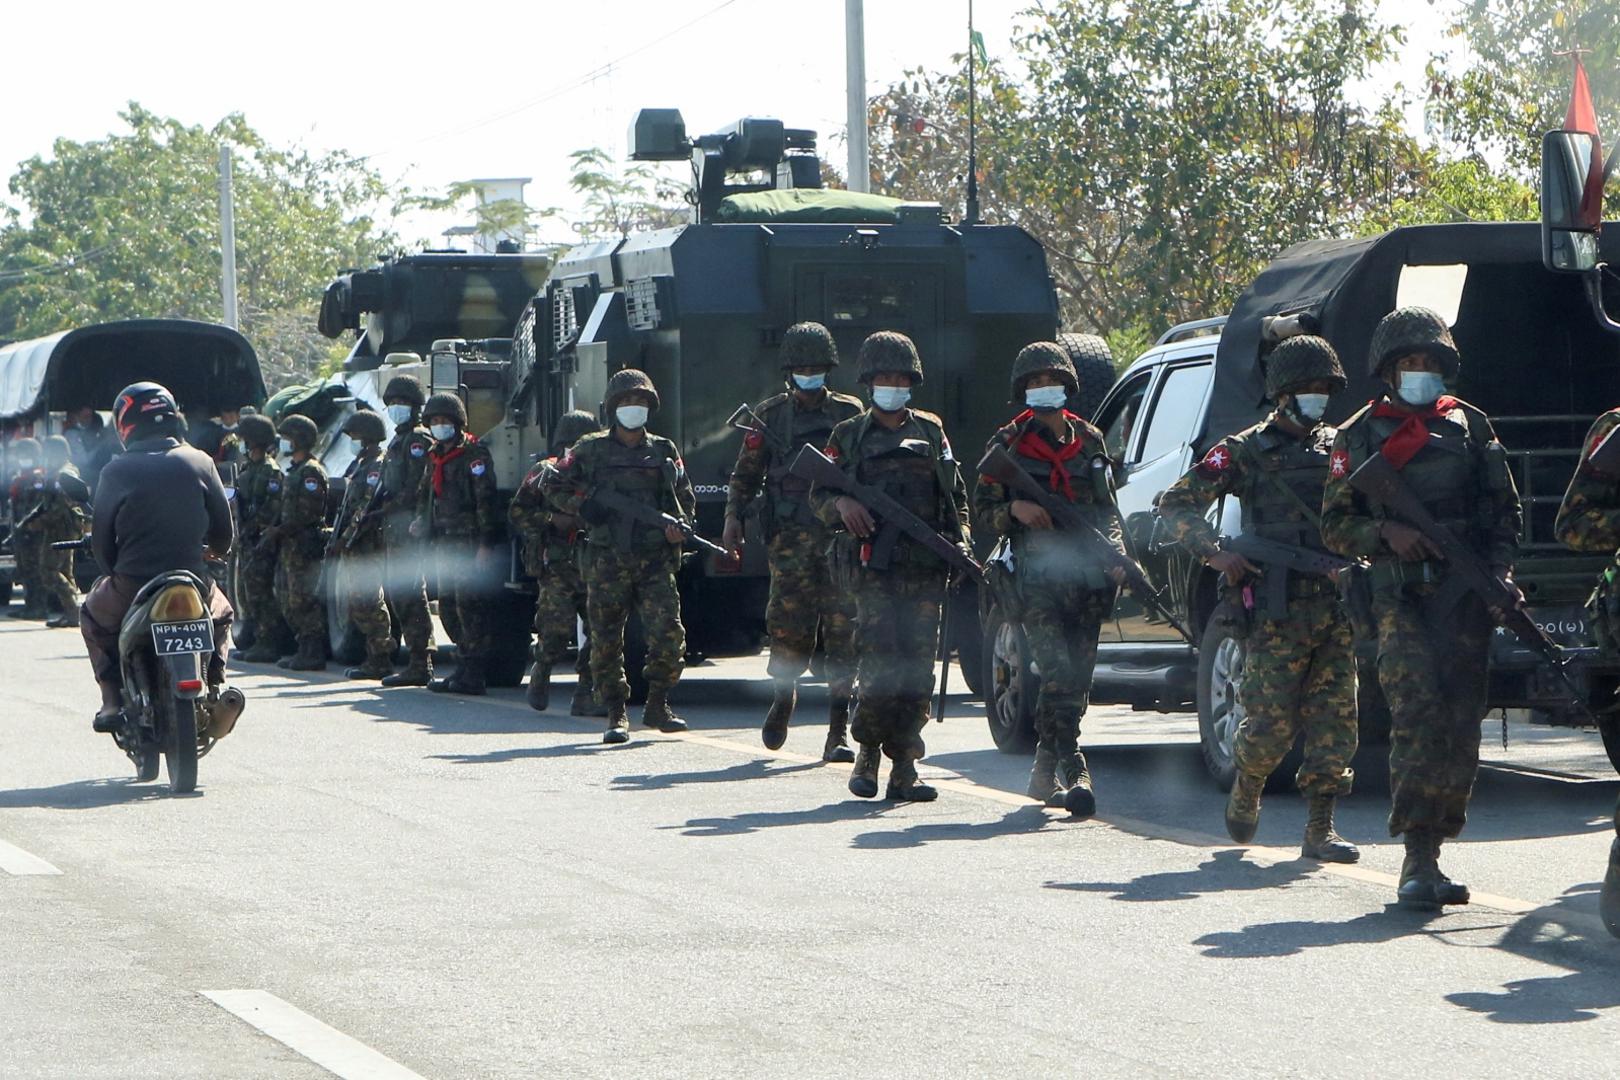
{"x": 810, "y": 205}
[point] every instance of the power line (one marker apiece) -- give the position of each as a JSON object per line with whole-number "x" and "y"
{"x": 69, "y": 263}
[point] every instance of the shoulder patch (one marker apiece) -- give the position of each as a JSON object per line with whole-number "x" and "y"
{"x": 274, "y": 485}
{"x": 418, "y": 449}
{"x": 311, "y": 484}
{"x": 753, "y": 440}
{"x": 1339, "y": 463}
{"x": 1217, "y": 461}
{"x": 478, "y": 468}
{"x": 567, "y": 459}
{"x": 373, "y": 478}
{"x": 832, "y": 451}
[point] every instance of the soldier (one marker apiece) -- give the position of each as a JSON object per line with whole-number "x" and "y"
{"x": 457, "y": 506}
{"x": 61, "y": 518}
{"x": 551, "y": 552}
{"x": 1433, "y": 644}
{"x": 258, "y": 503}
{"x": 1300, "y": 667}
{"x": 904, "y": 452}
{"x": 359, "y": 543}
{"x": 627, "y": 562}
{"x": 1058, "y": 592}
{"x": 802, "y": 595}
{"x": 1589, "y": 520}
{"x": 405, "y": 580}
{"x": 299, "y": 538}
{"x": 27, "y": 494}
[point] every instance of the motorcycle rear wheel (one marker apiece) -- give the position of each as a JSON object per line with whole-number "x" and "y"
{"x": 180, "y": 741}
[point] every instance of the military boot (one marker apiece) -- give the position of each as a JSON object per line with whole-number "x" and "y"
{"x": 378, "y": 664}
{"x": 1609, "y": 898}
{"x": 263, "y": 651}
{"x": 1078, "y": 797}
{"x": 468, "y": 679}
{"x": 585, "y": 703}
{"x": 311, "y": 656}
{"x": 419, "y": 672}
{"x": 863, "y": 780}
{"x": 836, "y": 748}
{"x": 904, "y": 785}
{"x": 618, "y": 725}
{"x": 774, "y": 733}
{"x": 1322, "y": 843}
{"x": 538, "y": 694}
{"x": 657, "y": 713}
{"x": 1043, "y": 784}
{"x": 68, "y": 616}
{"x": 1420, "y": 873}
{"x": 1446, "y": 890}
{"x": 1243, "y": 807}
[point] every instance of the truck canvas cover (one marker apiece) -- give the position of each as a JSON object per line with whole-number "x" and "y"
{"x": 811, "y": 206}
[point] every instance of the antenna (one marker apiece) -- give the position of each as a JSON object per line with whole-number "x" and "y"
{"x": 971, "y": 214}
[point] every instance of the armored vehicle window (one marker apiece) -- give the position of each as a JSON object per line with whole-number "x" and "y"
{"x": 1437, "y": 287}
{"x": 1178, "y": 410}
{"x": 869, "y": 298}
{"x": 1118, "y": 418}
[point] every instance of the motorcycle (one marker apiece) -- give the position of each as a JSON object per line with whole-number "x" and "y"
{"x": 164, "y": 648}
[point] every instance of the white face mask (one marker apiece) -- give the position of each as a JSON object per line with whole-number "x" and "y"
{"x": 398, "y": 414}
{"x": 810, "y": 383}
{"x": 443, "y": 432}
{"x": 1421, "y": 387}
{"x": 284, "y": 446}
{"x": 1046, "y": 398}
{"x": 1311, "y": 406}
{"x": 228, "y": 427}
{"x": 632, "y": 417}
{"x": 891, "y": 398}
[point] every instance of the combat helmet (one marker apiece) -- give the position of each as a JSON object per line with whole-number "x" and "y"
{"x": 627, "y": 381}
{"x": 366, "y": 426}
{"x": 1413, "y": 329}
{"x": 1302, "y": 359}
{"x": 25, "y": 448}
{"x": 406, "y": 388}
{"x": 446, "y": 405}
{"x": 57, "y": 449}
{"x": 299, "y": 430}
{"x": 888, "y": 352}
{"x": 257, "y": 431}
{"x": 808, "y": 344}
{"x": 571, "y": 426}
{"x": 1040, "y": 356}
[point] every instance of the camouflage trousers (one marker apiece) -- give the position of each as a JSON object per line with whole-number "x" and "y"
{"x": 301, "y": 605}
{"x": 1062, "y": 624}
{"x": 1299, "y": 674}
{"x": 54, "y": 574}
{"x": 256, "y": 582}
{"x": 465, "y": 591}
{"x": 897, "y": 613}
{"x": 615, "y": 582}
{"x": 802, "y": 598}
{"x": 26, "y": 547}
{"x": 557, "y": 610}
{"x": 405, "y": 589}
{"x": 362, "y": 580}
{"x": 1435, "y": 679}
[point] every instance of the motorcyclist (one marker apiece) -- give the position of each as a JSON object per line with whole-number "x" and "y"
{"x": 159, "y": 506}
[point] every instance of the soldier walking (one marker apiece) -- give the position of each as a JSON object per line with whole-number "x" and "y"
{"x": 1589, "y": 520}
{"x": 903, "y": 452}
{"x": 298, "y": 537}
{"x": 1433, "y": 640}
{"x": 1059, "y": 592}
{"x": 405, "y": 579}
{"x": 359, "y": 544}
{"x": 1299, "y": 666}
{"x": 27, "y": 494}
{"x": 802, "y": 595}
{"x": 61, "y": 519}
{"x": 457, "y": 507}
{"x": 258, "y": 506}
{"x": 628, "y": 563}
{"x": 551, "y": 541}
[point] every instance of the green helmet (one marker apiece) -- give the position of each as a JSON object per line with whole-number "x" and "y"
{"x": 1040, "y": 356}
{"x": 446, "y": 405}
{"x": 56, "y": 448}
{"x": 889, "y": 352}
{"x": 808, "y": 344}
{"x": 300, "y": 431}
{"x": 406, "y": 388}
{"x": 26, "y": 447}
{"x": 366, "y": 426}
{"x": 571, "y": 426}
{"x": 627, "y": 381}
{"x": 1302, "y": 359}
{"x": 1413, "y": 329}
{"x": 257, "y": 431}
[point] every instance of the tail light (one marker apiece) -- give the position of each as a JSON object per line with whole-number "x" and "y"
{"x": 189, "y": 686}
{"x": 177, "y": 603}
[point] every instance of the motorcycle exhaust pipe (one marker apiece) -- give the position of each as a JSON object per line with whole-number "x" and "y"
{"x": 223, "y": 713}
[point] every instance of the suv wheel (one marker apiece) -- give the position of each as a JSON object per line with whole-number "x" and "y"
{"x": 1009, "y": 686}
{"x": 1220, "y": 708}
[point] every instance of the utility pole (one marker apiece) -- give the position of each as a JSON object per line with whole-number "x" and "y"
{"x": 860, "y": 158}
{"x": 227, "y": 239}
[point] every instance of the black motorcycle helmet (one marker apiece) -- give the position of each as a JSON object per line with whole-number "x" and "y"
{"x": 144, "y": 409}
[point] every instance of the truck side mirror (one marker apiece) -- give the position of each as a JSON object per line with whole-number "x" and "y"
{"x": 1570, "y": 213}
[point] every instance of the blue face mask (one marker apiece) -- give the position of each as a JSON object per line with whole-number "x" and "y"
{"x": 1046, "y": 398}
{"x": 810, "y": 383}
{"x": 891, "y": 398}
{"x": 1421, "y": 387}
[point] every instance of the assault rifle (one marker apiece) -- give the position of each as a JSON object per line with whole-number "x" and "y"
{"x": 1286, "y": 557}
{"x": 11, "y": 538}
{"x": 746, "y": 419}
{"x": 999, "y": 466}
{"x": 638, "y": 511}
{"x": 812, "y": 465}
{"x": 1377, "y": 479}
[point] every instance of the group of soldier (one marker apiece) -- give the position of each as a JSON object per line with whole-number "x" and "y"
{"x": 49, "y": 505}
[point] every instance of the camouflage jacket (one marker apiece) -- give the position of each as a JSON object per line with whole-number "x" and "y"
{"x": 301, "y": 521}
{"x": 548, "y": 535}
{"x": 1589, "y": 516}
{"x": 456, "y": 496}
{"x": 62, "y": 514}
{"x": 258, "y": 498}
{"x": 762, "y": 466}
{"x": 27, "y": 491}
{"x": 1087, "y": 473}
{"x": 912, "y": 464}
{"x": 360, "y": 529}
{"x": 404, "y": 462}
{"x": 650, "y": 471}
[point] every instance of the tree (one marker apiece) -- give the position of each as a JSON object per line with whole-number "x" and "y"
{"x": 128, "y": 226}
{"x": 618, "y": 202}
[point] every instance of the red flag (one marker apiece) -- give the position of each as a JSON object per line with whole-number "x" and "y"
{"x": 1582, "y": 117}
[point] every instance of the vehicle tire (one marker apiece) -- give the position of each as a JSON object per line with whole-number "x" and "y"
{"x": 1009, "y": 686}
{"x": 510, "y": 652}
{"x": 6, "y": 587}
{"x": 1609, "y": 728}
{"x": 179, "y": 741}
{"x": 1220, "y": 709}
{"x": 1094, "y": 368}
{"x": 348, "y": 645}
{"x": 967, "y": 639}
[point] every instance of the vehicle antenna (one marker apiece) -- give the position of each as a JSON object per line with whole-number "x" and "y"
{"x": 971, "y": 216}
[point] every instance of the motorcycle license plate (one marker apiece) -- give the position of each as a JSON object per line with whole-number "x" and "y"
{"x": 182, "y": 638}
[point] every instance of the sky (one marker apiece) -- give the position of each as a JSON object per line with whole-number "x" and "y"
{"x": 492, "y": 89}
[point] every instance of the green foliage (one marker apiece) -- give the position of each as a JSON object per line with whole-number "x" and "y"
{"x": 498, "y": 217}
{"x": 618, "y": 202}
{"x": 128, "y": 226}
{"x": 1465, "y": 189}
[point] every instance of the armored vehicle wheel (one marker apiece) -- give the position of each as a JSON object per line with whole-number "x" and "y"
{"x": 967, "y": 640}
{"x": 347, "y": 644}
{"x": 1093, "y": 366}
{"x": 509, "y": 655}
{"x": 1609, "y": 728}
{"x": 1009, "y": 686}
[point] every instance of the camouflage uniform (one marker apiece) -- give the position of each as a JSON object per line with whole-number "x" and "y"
{"x": 300, "y": 538}
{"x": 258, "y": 502}
{"x": 1433, "y": 646}
{"x": 459, "y": 508}
{"x": 61, "y": 520}
{"x": 404, "y": 464}
{"x": 359, "y": 543}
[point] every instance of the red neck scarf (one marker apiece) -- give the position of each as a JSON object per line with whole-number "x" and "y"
{"x": 1030, "y": 444}
{"x": 1413, "y": 434}
{"x": 441, "y": 460}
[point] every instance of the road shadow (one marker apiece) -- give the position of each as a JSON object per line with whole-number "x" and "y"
{"x": 1223, "y": 872}
{"x": 743, "y": 824}
{"x": 1267, "y": 940}
{"x": 497, "y": 757}
{"x": 1025, "y": 819}
{"x": 86, "y": 794}
{"x": 756, "y": 769}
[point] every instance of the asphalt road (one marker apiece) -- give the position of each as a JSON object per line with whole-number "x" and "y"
{"x": 396, "y": 884}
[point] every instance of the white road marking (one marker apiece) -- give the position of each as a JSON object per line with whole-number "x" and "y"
{"x": 321, "y": 1043}
{"x": 14, "y": 860}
